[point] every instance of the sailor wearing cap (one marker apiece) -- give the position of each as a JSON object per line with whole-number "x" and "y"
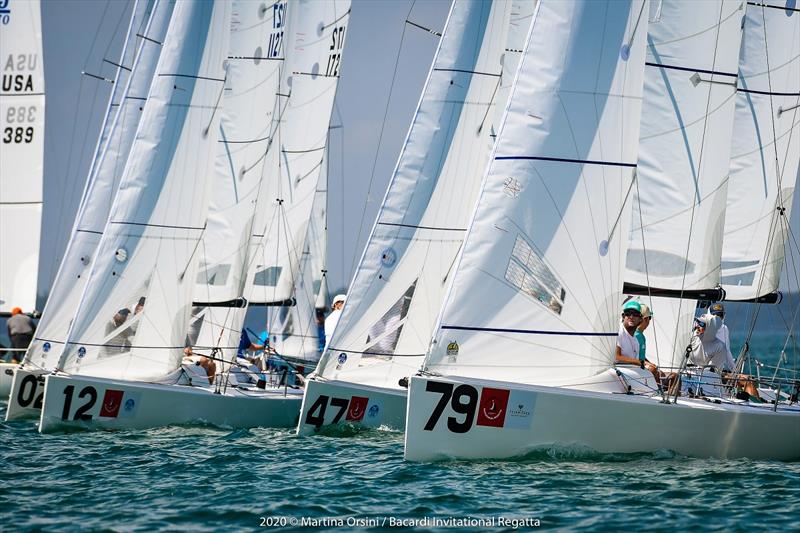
{"x": 627, "y": 345}
{"x": 333, "y": 318}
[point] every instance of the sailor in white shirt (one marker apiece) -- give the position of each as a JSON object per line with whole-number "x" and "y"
{"x": 333, "y": 318}
{"x": 722, "y": 334}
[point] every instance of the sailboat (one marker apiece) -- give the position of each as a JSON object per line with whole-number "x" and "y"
{"x": 134, "y": 73}
{"x": 393, "y": 299}
{"x": 522, "y": 357}
{"x": 22, "y": 101}
{"x": 128, "y": 364}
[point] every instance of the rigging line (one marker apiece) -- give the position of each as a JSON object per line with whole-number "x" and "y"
{"x": 21, "y": 94}
{"x": 95, "y": 76}
{"x": 326, "y": 26}
{"x": 491, "y": 100}
{"x": 216, "y": 106}
{"x": 303, "y": 151}
{"x": 65, "y": 197}
{"x": 776, "y": 220}
{"x": 700, "y": 160}
{"x": 257, "y": 58}
{"x": 334, "y": 349}
{"x": 380, "y": 136}
{"x": 148, "y": 225}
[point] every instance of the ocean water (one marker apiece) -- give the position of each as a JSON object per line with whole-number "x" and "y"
{"x": 208, "y": 479}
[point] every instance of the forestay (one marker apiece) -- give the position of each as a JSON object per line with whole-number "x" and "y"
{"x": 400, "y": 282}
{"x": 765, "y": 153}
{"x": 21, "y": 152}
{"x": 138, "y": 61}
{"x": 251, "y": 106}
{"x": 134, "y": 312}
{"x": 315, "y": 40}
{"x": 536, "y": 291}
{"x": 684, "y": 155}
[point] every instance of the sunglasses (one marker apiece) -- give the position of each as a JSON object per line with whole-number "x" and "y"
{"x": 632, "y": 313}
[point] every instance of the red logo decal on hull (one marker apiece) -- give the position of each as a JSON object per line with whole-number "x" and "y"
{"x": 357, "y": 408}
{"x": 111, "y": 403}
{"x": 493, "y": 407}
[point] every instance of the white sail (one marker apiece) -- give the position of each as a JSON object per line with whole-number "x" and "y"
{"x": 400, "y": 282}
{"x": 315, "y": 39}
{"x": 293, "y": 329}
{"x": 139, "y": 57}
{"x": 536, "y": 290}
{"x": 765, "y": 154}
{"x": 250, "y": 107}
{"x": 684, "y": 156}
{"x": 134, "y": 311}
{"x": 21, "y": 152}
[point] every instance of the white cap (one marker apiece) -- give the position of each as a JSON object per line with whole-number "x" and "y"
{"x": 339, "y": 298}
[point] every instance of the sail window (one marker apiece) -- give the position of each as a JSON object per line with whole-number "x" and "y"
{"x": 216, "y": 275}
{"x": 388, "y": 328}
{"x": 527, "y": 272}
{"x": 267, "y": 277}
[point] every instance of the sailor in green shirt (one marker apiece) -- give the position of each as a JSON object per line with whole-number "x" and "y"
{"x": 647, "y": 317}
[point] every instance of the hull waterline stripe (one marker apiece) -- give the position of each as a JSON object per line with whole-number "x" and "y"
{"x": 689, "y": 69}
{"x": 534, "y": 331}
{"x": 564, "y": 160}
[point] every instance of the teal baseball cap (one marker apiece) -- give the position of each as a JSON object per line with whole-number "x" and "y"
{"x": 632, "y": 305}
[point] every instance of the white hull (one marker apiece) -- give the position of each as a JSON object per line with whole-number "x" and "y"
{"x": 6, "y": 375}
{"x": 534, "y": 417}
{"x": 337, "y": 402}
{"x": 97, "y": 403}
{"x": 27, "y": 393}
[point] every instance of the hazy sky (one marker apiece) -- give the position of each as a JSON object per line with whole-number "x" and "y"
{"x": 79, "y": 34}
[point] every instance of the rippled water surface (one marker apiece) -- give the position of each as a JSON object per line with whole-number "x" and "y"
{"x": 208, "y": 479}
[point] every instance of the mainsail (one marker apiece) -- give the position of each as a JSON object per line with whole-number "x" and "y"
{"x": 679, "y": 196}
{"x": 134, "y": 311}
{"x": 251, "y": 107}
{"x": 536, "y": 289}
{"x": 21, "y": 152}
{"x": 138, "y": 61}
{"x": 400, "y": 281}
{"x": 684, "y": 155}
{"x": 765, "y": 154}
{"x": 315, "y": 40}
